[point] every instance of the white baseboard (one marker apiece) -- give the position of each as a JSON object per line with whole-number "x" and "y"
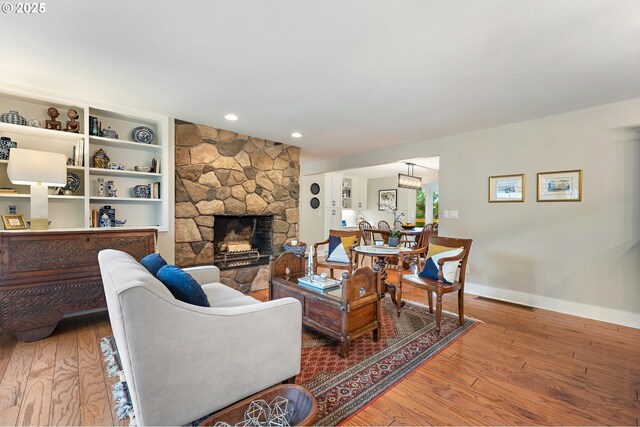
{"x": 619, "y": 317}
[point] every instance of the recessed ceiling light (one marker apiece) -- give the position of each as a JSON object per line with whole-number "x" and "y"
{"x": 231, "y": 117}
{"x": 296, "y": 135}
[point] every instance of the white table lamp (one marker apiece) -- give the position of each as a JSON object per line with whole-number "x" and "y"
{"x": 39, "y": 169}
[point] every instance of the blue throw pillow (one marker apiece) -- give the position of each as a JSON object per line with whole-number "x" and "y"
{"x": 153, "y": 263}
{"x": 182, "y": 286}
{"x": 449, "y": 269}
{"x": 339, "y": 248}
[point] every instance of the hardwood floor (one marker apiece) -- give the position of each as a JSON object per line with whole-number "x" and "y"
{"x": 519, "y": 367}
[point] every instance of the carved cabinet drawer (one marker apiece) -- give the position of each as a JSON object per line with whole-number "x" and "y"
{"x": 46, "y": 274}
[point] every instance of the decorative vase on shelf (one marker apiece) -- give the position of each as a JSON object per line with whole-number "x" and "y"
{"x": 105, "y": 221}
{"x": 101, "y": 160}
{"x": 6, "y": 144}
{"x": 14, "y": 118}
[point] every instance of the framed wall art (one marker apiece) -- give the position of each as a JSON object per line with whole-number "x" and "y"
{"x": 387, "y": 200}
{"x": 560, "y": 186}
{"x": 507, "y": 188}
{"x": 14, "y": 222}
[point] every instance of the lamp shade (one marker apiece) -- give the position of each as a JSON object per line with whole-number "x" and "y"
{"x": 37, "y": 167}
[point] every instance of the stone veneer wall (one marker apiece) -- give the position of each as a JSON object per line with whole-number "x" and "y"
{"x": 219, "y": 172}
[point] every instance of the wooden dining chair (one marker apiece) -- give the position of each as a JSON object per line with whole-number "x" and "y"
{"x": 367, "y": 235}
{"x": 345, "y": 257}
{"x": 367, "y": 238}
{"x": 411, "y": 262}
{"x": 439, "y": 286}
{"x": 383, "y": 225}
{"x": 423, "y": 238}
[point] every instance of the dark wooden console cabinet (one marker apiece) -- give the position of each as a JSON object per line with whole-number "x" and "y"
{"x": 47, "y": 274}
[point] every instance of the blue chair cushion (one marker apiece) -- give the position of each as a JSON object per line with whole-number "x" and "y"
{"x": 182, "y": 286}
{"x": 153, "y": 263}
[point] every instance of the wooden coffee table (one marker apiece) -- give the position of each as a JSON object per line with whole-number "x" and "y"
{"x": 344, "y": 313}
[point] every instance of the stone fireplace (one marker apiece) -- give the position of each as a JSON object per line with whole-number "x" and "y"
{"x": 242, "y": 240}
{"x": 221, "y": 174}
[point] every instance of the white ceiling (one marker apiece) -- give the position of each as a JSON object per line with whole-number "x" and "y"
{"x": 350, "y": 75}
{"x": 424, "y": 168}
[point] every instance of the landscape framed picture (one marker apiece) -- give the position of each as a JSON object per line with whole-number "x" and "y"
{"x": 560, "y": 186}
{"x": 506, "y": 188}
{"x": 14, "y": 222}
{"x": 387, "y": 200}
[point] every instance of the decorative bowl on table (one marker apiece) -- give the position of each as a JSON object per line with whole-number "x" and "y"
{"x": 299, "y": 248}
{"x": 408, "y": 226}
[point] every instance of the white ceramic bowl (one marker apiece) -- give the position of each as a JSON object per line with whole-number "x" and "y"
{"x": 142, "y": 168}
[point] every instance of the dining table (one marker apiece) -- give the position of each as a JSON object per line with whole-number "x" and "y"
{"x": 382, "y": 252}
{"x": 384, "y": 233}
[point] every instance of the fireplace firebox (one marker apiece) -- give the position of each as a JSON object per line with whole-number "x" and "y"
{"x": 242, "y": 240}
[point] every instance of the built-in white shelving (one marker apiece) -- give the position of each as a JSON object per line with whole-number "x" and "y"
{"x": 124, "y": 199}
{"x": 116, "y": 172}
{"x": 53, "y": 135}
{"x": 74, "y": 211}
{"x": 119, "y": 143}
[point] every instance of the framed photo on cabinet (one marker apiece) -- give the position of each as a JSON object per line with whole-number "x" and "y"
{"x": 507, "y": 188}
{"x": 560, "y": 186}
{"x": 14, "y": 222}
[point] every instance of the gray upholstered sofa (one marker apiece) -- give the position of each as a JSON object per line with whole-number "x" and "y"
{"x": 182, "y": 361}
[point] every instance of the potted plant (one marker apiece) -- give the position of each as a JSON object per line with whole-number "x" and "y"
{"x": 394, "y": 238}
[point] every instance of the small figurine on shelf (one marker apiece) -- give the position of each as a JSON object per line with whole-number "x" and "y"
{"x": 12, "y": 209}
{"x": 100, "y": 187}
{"x": 35, "y": 122}
{"x": 100, "y": 159}
{"x": 53, "y": 123}
{"x": 72, "y": 125}
{"x": 111, "y": 189}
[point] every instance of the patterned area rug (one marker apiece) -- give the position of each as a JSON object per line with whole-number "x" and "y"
{"x": 343, "y": 386}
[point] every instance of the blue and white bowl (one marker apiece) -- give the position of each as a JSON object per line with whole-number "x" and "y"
{"x": 142, "y": 191}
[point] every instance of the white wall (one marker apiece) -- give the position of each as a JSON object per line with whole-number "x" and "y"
{"x": 311, "y": 220}
{"x": 581, "y": 258}
{"x": 406, "y": 201}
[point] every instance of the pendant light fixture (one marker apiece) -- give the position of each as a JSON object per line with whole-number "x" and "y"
{"x": 408, "y": 180}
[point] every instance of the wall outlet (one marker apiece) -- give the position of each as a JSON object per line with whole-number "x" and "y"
{"x": 446, "y": 214}
{"x": 454, "y": 214}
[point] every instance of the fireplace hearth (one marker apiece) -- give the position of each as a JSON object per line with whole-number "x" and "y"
{"x": 242, "y": 240}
